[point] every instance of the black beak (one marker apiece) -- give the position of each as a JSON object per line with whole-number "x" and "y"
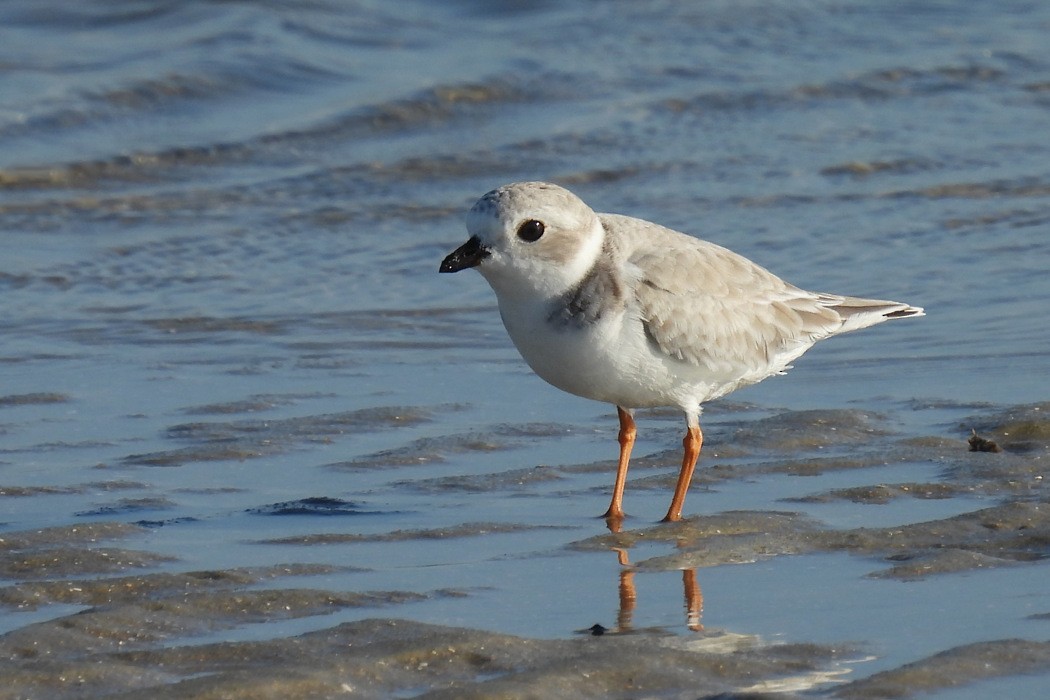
{"x": 467, "y": 255}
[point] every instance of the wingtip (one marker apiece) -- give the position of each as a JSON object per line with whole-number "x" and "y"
{"x": 906, "y": 312}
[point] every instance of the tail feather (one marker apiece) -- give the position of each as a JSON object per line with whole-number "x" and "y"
{"x": 857, "y": 313}
{"x": 906, "y": 312}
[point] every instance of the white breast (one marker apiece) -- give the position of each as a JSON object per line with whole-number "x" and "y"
{"x": 610, "y": 360}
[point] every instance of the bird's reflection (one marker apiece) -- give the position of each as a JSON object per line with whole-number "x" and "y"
{"x": 694, "y": 598}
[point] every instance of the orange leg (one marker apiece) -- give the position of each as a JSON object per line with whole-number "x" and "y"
{"x": 626, "y": 438}
{"x": 694, "y": 439}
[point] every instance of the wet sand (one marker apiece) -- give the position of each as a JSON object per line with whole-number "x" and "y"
{"x": 109, "y": 623}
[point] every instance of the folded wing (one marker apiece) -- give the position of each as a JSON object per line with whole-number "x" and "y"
{"x": 707, "y": 306}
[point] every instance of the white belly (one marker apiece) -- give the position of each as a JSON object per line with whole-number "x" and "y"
{"x": 610, "y": 360}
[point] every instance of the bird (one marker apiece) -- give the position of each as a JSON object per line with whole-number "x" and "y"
{"x": 629, "y": 312}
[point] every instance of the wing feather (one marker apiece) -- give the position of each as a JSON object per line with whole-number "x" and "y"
{"x": 707, "y": 306}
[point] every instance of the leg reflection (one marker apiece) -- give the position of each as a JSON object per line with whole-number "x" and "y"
{"x": 694, "y": 598}
{"x": 628, "y": 593}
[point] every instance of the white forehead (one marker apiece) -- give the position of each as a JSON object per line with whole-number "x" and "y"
{"x": 512, "y": 204}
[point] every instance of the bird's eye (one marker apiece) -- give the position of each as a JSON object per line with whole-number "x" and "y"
{"x": 530, "y": 230}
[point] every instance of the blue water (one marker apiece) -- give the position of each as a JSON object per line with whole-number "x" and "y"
{"x": 214, "y": 202}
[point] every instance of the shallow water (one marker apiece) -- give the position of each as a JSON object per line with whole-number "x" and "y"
{"x": 222, "y": 224}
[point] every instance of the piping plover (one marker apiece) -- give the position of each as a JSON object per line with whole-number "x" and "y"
{"x": 622, "y": 310}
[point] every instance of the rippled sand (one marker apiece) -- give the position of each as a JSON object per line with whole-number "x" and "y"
{"x": 109, "y": 622}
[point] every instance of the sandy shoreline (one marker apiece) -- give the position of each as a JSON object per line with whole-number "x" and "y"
{"x": 135, "y": 631}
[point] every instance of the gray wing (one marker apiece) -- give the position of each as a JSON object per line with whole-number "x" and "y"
{"x": 710, "y": 307}
{"x": 707, "y": 306}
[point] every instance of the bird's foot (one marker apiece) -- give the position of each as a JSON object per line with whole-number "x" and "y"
{"x": 613, "y": 520}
